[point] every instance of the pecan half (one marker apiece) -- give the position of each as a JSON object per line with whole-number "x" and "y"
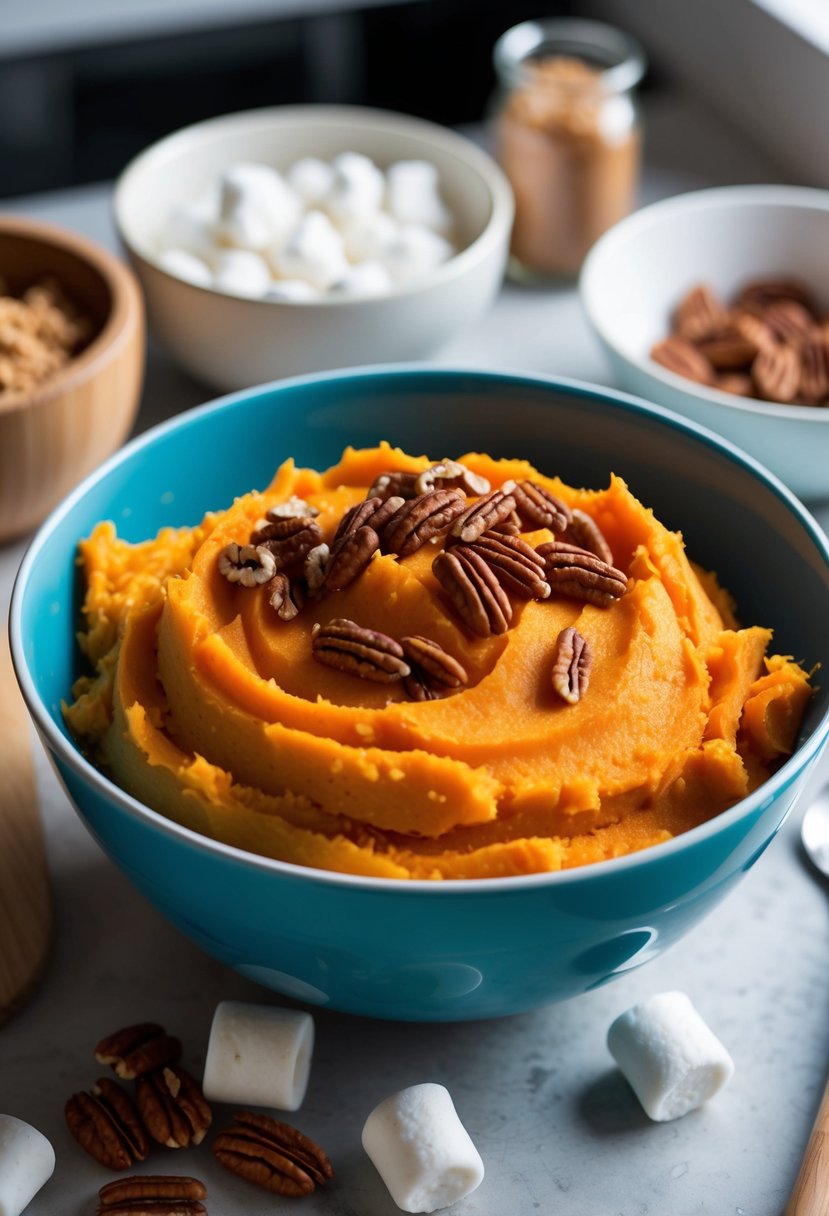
{"x": 288, "y": 540}
{"x": 814, "y": 371}
{"x": 571, "y": 665}
{"x": 349, "y": 557}
{"x": 581, "y": 575}
{"x": 537, "y": 507}
{"x": 789, "y": 321}
{"x": 316, "y": 563}
{"x": 138, "y": 1049}
{"x": 286, "y": 596}
{"x": 515, "y": 564}
{"x": 698, "y": 314}
{"x": 776, "y": 373}
{"x": 371, "y": 512}
{"x": 683, "y": 359}
{"x": 432, "y": 665}
{"x": 248, "y": 565}
{"x": 402, "y": 485}
{"x": 451, "y": 474}
{"x": 483, "y": 515}
{"x": 585, "y": 533}
{"x": 729, "y": 347}
{"x": 473, "y": 590}
{"x": 153, "y": 1195}
{"x": 366, "y": 653}
{"x": 173, "y": 1107}
{"x": 511, "y": 526}
{"x": 754, "y": 330}
{"x": 106, "y": 1124}
{"x": 758, "y": 295}
{"x": 291, "y": 508}
{"x": 272, "y": 1154}
{"x": 738, "y": 383}
{"x": 421, "y": 520}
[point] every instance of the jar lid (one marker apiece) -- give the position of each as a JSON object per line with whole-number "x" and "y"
{"x": 619, "y": 60}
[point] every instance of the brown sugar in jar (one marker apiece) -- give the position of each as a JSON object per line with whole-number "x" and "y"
{"x": 567, "y": 135}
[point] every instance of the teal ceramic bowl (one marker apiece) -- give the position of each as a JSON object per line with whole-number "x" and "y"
{"x": 419, "y": 950}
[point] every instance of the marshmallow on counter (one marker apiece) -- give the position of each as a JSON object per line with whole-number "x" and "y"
{"x": 314, "y": 252}
{"x": 421, "y": 1149}
{"x": 311, "y": 178}
{"x": 671, "y": 1059}
{"x": 415, "y": 251}
{"x": 27, "y": 1161}
{"x": 185, "y": 265}
{"x": 241, "y": 272}
{"x": 291, "y": 291}
{"x": 413, "y": 195}
{"x": 367, "y": 279}
{"x": 357, "y": 189}
{"x": 258, "y": 1055}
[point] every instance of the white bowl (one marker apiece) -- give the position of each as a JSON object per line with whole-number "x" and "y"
{"x": 231, "y": 342}
{"x": 638, "y": 271}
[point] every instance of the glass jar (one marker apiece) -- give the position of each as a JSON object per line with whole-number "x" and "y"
{"x": 566, "y": 131}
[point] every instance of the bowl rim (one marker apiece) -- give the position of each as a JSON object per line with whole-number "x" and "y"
{"x": 495, "y": 231}
{"x": 69, "y": 754}
{"x": 126, "y": 309}
{"x": 800, "y": 198}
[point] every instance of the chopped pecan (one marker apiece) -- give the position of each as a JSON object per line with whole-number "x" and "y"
{"x": 571, "y": 665}
{"x": 349, "y": 557}
{"x": 483, "y": 516}
{"x": 814, "y": 371}
{"x": 286, "y": 596}
{"x": 138, "y": 1049}
{"x": 450, "y": 474}
{"x": 683, "y": 359}
{"x": 432, "y": 666}
{"x": 173, "y": 1107}
{"x": 537, "y": 507}
{"x": 248, "y": 565}
{"x": 288, "y": 540}
{"x": 316, "y": 563}
{"x": 757, "y": 296}
{"x": 585, "y": 533}
{"x": 273, "y": 1155}
{"x": 402, "y": 485}
{"x": 473, "y": 590}
{"x": 371, "y": 512}
{"x": 582, "y": 575}
{"x": 106, "y": 1124}
{"x": 421, "y": 520}
{"x": 153, "y": 1195}
{"x": 366, "y": 653}
{"x": 515, "y": 564}
{"x": 729, "y": 347}
{"x": 291, "y": 508}
{"x": 698, "y": 314}
{"x": 776, "y": 373}
{"x": 789, "y": 321}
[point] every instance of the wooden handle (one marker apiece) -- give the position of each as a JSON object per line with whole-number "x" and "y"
{"x": 810, "y": 1196}
{"x": 25, "y": 903}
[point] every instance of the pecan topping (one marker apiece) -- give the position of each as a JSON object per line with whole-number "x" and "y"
{"x": 814, "y": 371}
{"x": 473, "y": 590}
{"x": 106, "y": 1124}
{"x": 537, "y": 507}
{"x": 451, "y": 474}
{"x": 288, "y": 540}
{"x": 582, "y": 575}
{"x": 316, "y": 562}
{"x": 683, "y": 359}
{"x": 789, "y": 321}
{"x": 571, "y": 665}
{"x": 776, "y": 373}
{"x": 349, "y": 557}
{"x": 483, "y": 515}
{"x": 173, "y": 1107}
{"x": 698, "y": 314}
{"x": 153, "y": 1195}
{"x": 432, "y": 668}
{"x": 371, "y": 512}
{"x": 366, "y": 653}
{"x": 272, "y": 1154}
{"x": 515, "y": 564}
{"x": 286, "y": 596}
{"x": 248, "y": 565}
{"x": 138, "y": 1049}
{"x": 401, "y": 485}
{"x": 585, "y": 533}
{"x": 756, "y": 297}
{"x": 291, "y": 508}
{"x": 421, "y": 519}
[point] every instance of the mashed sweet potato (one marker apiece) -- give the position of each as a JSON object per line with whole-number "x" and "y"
{"x": 211, "y": 708}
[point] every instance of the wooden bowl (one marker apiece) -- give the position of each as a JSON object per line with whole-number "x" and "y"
{"x": 52, "y": 437}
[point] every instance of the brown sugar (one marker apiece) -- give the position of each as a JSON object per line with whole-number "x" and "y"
{"x": 40, "y": 332}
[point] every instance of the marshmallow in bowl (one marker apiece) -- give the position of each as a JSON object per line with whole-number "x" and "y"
{"x": 258, "y": 1055}
{"x": 421, "y": 1149}
{"x": 186, "y": 265}
{"x": 367, "y": 279}
{"x": 241, "y": 272}
{"x": 256, "y": 208}
{"x": 311, "y": 178}
{"x": 413, "y": 250}
{"x": 315, "y": 252}
{"x": 670, "y": 1057}
{"x": 414, "y": 195}
{"x": 27, "y": 1161}
{"x": 357, "y": 190}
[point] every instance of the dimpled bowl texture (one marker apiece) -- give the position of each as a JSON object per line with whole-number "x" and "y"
{"x": 230, "y": 342}
{"x": 419, "y": 950}
{"x": 636, "y": 274}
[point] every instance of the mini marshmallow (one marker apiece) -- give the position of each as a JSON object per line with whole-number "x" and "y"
{"x": 671, "y": 1059}
{"x": 186, "y": 266}
{"x": 367, "y": 279}
{"x": 415, "y": 251}
{"x": 311, "y": 178}
{"x": 314, "y": 252}
{"x": 289, "y": 291}
{"x": 413, "y": 195}
{"x": 421, "y": 1149}
{"x": 188, "y": 228}
{"x": 357, "y": 189}
{"x": 27, "y": 1161}
{"x": 258, "y": 1055}
{"x": 257, "y": 207}
{"x": 365, "y": 238}
{"x": 241, "y": 272}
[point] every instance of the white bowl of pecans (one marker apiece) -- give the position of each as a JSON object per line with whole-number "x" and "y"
{"x": 716, "y": 304}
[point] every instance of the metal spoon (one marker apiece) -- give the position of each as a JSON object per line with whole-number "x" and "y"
{"x": 810, "y": 1196}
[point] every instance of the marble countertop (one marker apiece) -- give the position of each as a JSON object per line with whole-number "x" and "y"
{"x": 556, "y": 1125}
